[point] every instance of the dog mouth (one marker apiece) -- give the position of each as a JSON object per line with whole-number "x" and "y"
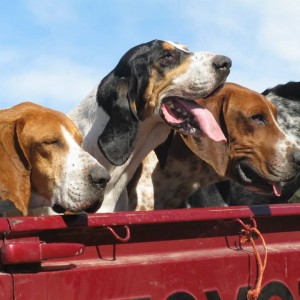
{"x": 254, "y": 181}
{"x": 188, "y": 117}
{"x": 91, "y": 209}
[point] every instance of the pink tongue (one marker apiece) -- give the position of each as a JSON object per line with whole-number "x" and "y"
{"x": 208, "y": 124}
{"x": 277, "y": 188}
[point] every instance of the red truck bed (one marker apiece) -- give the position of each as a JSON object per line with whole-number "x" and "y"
{"x": 173, "y": 254}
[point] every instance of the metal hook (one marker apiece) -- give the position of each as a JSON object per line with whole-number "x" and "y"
{"x": 119, "y": 238}
{"x": 247, "y": 226}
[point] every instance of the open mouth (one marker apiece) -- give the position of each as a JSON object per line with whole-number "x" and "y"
{"x": 250, "y": 178}
{"x": 188, "y": 117}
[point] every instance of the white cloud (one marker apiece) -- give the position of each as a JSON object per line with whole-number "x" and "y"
{"x": 262, "y": 37}
{"x": 278, "y": 30}
{"x": 281, "y": 31}
{"x": 53, "y": 82}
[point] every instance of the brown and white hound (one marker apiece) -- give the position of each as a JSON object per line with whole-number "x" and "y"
{"x": 42, "y": 163}
{"x": 134, "y": 107}
{"x": 257, "y": 154}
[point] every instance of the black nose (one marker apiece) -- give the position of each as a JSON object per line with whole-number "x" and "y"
{"x": 296, "y": 156}
{"x": 99, "y": 177}
{"x": 221, "y": 62}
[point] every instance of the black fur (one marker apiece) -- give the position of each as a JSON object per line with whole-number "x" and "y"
{"x": 121, "y": 95}
{"x": 290, "y": 90}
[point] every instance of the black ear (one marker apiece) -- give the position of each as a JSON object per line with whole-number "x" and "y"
{"x": 162, "y": 150}
{"x": 121, "y": 95}
{"x": 118, "y": 138}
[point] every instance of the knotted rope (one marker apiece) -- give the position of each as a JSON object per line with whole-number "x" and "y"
{"x": 249, "y": 234}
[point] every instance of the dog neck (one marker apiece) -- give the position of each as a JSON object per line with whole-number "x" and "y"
{"x": 91, "y": 121}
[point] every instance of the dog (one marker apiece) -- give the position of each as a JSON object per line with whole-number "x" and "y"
{"x": 133, "y": 109}
{"x": 42, "y": 163}
{"x": 286, "y": 97}
{"x": 258, "y": 154}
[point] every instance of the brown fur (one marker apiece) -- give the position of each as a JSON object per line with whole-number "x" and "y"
{"x": 25, "y": 163}
{"x": 195, "y": 162}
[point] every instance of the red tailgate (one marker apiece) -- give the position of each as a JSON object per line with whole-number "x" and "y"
{"x": 178, "y": 254}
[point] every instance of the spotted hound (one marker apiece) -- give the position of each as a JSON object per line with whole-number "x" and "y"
{"x": 133, "y": 109}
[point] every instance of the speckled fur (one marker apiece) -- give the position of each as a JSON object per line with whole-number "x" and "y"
{"x": 185, "y": 172}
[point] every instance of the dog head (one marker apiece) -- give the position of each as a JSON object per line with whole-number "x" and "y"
{"x": 42, "y": 162}
{"x": 160, "y": 80}
{"x": 258, "y": 154}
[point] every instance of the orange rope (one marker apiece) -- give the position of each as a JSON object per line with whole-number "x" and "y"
{"x": 248, "y": 237}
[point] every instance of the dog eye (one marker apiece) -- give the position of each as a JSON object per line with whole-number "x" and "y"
{"x": 52, "y": 142}
{"x": 259, "y": 119}
{"x": 166, "y": 58}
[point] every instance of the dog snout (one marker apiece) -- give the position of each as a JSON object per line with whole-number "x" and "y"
{"x": 221, "y": 62}
{"x": 99, "y": 177}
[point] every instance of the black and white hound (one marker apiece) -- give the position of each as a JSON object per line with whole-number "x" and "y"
{"x": 131, "y": 112}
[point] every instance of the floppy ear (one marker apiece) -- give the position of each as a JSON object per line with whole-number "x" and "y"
{"x": 213, "y": 153}
{"x": 121, "y": 96}
{"x": 14, "y": 166}
{"x": 216, "y": 154}
{"x": 118, "y": 138}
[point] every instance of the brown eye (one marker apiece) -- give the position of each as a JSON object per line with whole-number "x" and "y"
{"x": 259, "y": 119}
{"x": 166, "y": 59}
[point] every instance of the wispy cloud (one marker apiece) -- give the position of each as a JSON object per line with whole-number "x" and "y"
{"x": 54, "y": 52}
{"x": 279, "y": 29}
{"x": 59, "y": 83}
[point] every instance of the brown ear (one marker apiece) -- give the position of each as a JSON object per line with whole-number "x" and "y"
{"x": 213, "y": 153}
{"x": 216, "y": 154}
{"x": 14, "y": 166}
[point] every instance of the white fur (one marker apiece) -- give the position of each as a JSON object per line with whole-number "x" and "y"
{"x": 85, "y": 113}
{"x": 179, "y": 46}
{"x": 198, "y": 81}
{"x": 74, "y": 189}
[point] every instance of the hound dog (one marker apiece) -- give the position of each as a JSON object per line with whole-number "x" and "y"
{"x": 258, "y": 154}
{"x": 42, "y": 163}
{"x": 286, "y": 97}
{"x": 134, "y": 107}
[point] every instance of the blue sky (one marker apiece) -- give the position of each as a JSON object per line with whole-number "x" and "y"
{"x": 55, "y": 52}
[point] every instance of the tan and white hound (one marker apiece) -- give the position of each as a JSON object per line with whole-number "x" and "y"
{"x": 42, "y": 163}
